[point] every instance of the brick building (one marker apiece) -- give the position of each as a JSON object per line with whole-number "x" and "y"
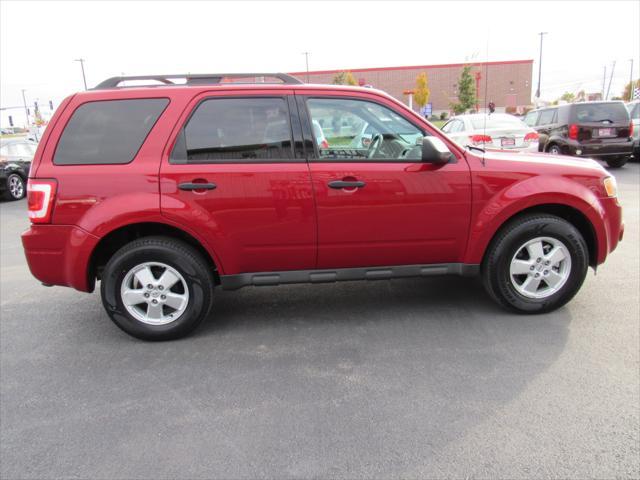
{"x": 509, "y": 82}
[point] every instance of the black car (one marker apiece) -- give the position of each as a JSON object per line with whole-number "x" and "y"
{"x": 588, "y": 129}
{"x": 15, "y": 160}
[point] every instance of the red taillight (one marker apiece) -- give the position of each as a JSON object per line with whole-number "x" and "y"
{"x": 324, "y": 144}
{"x": 40, "y": 197}
{"x": 478, "y": 139}
{"x": 531, "y": 137}
{"x": 630, "y": 128}
{"x": 573, "y": 131}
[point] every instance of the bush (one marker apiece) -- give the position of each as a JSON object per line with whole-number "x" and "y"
{"x": 511, "y": 110}
{"x": 443, "y": 115}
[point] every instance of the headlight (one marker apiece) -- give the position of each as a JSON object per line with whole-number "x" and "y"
{"x": 610, "y": 186}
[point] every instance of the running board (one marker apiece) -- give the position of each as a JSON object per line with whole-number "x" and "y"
{"x": 233, "y": 282}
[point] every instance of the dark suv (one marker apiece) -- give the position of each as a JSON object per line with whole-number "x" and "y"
{"x": 600, "y": 130}
{"x": 165, "y": 193}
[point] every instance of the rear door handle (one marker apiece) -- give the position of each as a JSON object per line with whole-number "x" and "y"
{"x": 346, "y": 184}
{"x": 197, "y": 186}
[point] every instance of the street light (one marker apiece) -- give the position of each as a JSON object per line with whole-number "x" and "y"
{"x": 84, "y": 79}
{"x": 542, "y": 34}
{"x": 306, "y": 57}
{"x": 26, "y": 110}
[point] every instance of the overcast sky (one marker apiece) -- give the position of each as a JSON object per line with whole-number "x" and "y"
{"x": 40, "y": 40}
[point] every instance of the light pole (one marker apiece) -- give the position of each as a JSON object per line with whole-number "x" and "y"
{"x": 306, "y": 58}
{"x": 542, "y": 34}
{"x": 631, "y": 80}
{"x": 84, "y": 79}
{"x": 26, "y": 110}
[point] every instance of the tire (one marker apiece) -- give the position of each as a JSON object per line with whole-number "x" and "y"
{"x": 554, "y": 150}
{"x": 16, "y": 188}
{"x": 188, "y": 299}
{"x": 506, "y": 255}
{"x": 617, "y": 162}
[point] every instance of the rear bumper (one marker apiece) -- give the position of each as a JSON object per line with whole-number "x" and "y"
{"x": 600, "y": 150}
{"x": 60, "y": 254}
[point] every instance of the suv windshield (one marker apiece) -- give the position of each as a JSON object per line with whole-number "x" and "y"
{"x": 599, "y": 112}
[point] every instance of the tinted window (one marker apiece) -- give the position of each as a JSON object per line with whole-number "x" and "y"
{"x": 346, "y": 124}
{"x": 547, "y": 117}
{"x": 107, "y": 132}
{"x": 237, "y": 129}
{"x": 598, "y": 112}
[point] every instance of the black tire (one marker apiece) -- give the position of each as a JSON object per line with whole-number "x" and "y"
{"x": 178, "y": 255}
{"x": 16, "y": 188}
{"x": 554, "y": 149}
{"x": 617, "y": 162}
{"x": 502, "y": 249}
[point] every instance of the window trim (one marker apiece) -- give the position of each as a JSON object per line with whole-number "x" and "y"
{"x": 135, "y": 155}
{"x": 244, "y": 161}
{"x": 316, "y": 154}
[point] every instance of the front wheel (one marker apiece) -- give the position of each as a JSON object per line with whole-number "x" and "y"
{"x": 617, "y": 162}
{"x": 157, "y": 288}
{"x": 15, "y": 187}
{"x": 536, "y": 264}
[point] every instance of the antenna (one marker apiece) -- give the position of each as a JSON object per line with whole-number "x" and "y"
{"x": 486, "y": 88}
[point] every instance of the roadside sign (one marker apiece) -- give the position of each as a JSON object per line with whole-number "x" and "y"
{"x": 427, "y": 110}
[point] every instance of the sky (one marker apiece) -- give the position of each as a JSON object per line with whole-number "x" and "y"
{"x": 40, "y": 40}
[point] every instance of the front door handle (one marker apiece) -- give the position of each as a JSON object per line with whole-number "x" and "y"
{"x": 346, "y": 184}
{"x": 197, "y": 186}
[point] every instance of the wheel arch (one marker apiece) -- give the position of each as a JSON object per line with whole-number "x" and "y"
{"x": 117, "y": 238}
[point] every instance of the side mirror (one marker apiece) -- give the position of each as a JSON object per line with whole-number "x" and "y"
{"x": 435, "y": 151}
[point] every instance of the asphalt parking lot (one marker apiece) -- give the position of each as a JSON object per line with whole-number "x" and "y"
{"x": 411, "y": 378}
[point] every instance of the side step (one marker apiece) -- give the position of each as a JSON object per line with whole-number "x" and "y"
{"x": 233, "y": 282}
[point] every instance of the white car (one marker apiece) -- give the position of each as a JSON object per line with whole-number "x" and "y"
{"x": 497, "y": 131}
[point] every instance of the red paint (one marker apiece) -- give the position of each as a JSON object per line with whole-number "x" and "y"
{"x": 282, "y": 216}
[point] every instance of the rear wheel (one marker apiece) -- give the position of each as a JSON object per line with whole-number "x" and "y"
{"x": 535, "y": 264}
{"x": 157, "y": 288}
{"x": 554, "y": 150}
{"x": 15, "y": 187}
{"x": 617, "y": 162}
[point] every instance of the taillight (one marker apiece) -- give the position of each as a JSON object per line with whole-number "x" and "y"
{"x": 531, "y": 137}
{"x": 630, "y": 128}
{"x": 478, "y": 139}
{"x": 573, "y": 131}
{"x": 324, "y": 144}
{"x": 40, "y": 197}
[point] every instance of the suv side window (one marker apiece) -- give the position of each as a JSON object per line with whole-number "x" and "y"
{"x": 236, "y": 129}
{"x": 108, "y": 131}
{"x": 344, "y": 120}
{"x": 547, "y": 117}
{"x": 530, "y": 118}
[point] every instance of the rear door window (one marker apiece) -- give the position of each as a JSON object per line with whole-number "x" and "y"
{"x": 108, "y": 132}
{"x": 236, "y": 130}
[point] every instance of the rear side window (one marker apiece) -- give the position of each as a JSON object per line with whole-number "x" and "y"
{"x": 599, "y": 112}
{"x": 108, "y": 132}
{"x": 236, "y": 130}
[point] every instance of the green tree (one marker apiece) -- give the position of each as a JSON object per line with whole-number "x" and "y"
{"x": 626, "y": 95}
{"x": 466, "y": 92}
{"x": 344, "y": 78}
{"x": 422, "y": 92}
{"x": 568, "y": 97}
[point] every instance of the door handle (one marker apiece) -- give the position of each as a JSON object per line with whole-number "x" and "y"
{"x": 346, "y": 184}
{"x": 197, "y": 186}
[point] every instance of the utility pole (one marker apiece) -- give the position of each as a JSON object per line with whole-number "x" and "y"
{"x": 631, "y": 80}
{"x": 613, "y": 67}
{"x": 604, "y": 82}
{"x": 306, "y": 58}
{"x": 542, "y": 34}
{"x": 84, "y": 79}
{"x": 26, "y": 110}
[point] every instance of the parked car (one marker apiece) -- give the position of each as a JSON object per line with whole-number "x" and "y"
{"x": 165, "y": 193}
{"x": 600, "y": 130}
{"x": 15, "y": 160}
{"x": 634, "y": 113}
{"x": 496, "y": 131}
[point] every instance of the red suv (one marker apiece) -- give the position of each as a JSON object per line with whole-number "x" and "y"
{"x": 166, "y": 192}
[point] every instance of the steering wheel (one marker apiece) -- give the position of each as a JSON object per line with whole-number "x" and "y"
{"x": 376, "y": 141}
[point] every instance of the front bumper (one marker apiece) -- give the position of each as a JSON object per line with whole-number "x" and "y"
{"x": 60, "y": 255}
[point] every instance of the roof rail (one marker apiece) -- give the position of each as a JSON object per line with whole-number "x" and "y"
{"x": 195, "y": 79}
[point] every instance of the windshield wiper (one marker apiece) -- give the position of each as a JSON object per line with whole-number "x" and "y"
{"x": 473, "y": 147}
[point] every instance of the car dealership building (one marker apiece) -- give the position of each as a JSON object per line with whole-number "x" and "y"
{"x": 507, "y": 83}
